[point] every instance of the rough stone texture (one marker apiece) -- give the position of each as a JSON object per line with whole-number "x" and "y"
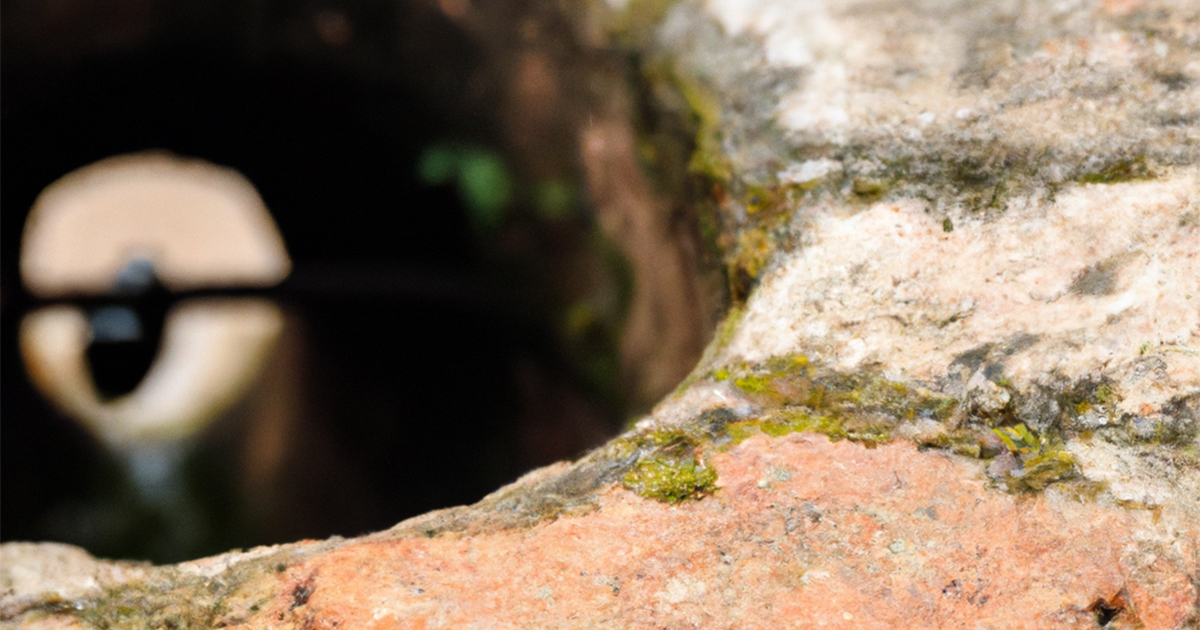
{"x": 31, "y": 571}
{"x": 802, "y": 530}
{"x": 997, "y": 201}
{"x": 959, "y": 386}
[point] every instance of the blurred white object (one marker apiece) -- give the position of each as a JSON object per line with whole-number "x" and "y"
{"x": 201, "y": 226}
{"x": 212, "y": 350}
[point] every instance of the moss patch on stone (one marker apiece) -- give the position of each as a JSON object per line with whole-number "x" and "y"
{"x": 671, "y": 479}
{"x": 173, "y": 598}
{"x": 1042, "y": 461}
{"x": 793, "y": 382}
{"x": 1117, "y": 171}
{"x": 783, "y": 422}
{"x": 1040, "y": 470}
{"x": 702, "y": 109}
{"x": 865, "y": 407}
{"x": 868, "y": 188}
{"x": 791, "y": 394}
{"x": 667, "y": 464}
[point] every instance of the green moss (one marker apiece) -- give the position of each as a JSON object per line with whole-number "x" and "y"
{"x": 795, "y": 395}
{"x": 670, "y": 438}
{"x": 1179, "y": 433}
{"x": 728, "y": 326}
{"x": 787, "y": 364}
{"x": 939, "y": 408}
{"x": 752, "y": 384}
{"x": 966, "y": 442}
{"x": 665, "y": 464}
{"x": 708, "y": 159}
{"x": 745, "y": 261}
{"x": 784, "y": 422}
{"x": 792, "y": 381}
{"x": 1044, "y": 461}
{"x": 632, "y": 447}
{"x": 1040, "y": 470}
{"x": 1019, "y": 439}
{"x": 1118, "y": 171}
{"x": 1087, "y": 396}
{"x": 671, "y": 479}
{"x": 868, "y": 188}
{"x": 1105, "y": 394}
{"x": 174, "y": 599}
{"x": 707, "y": 184}
{"x": 738, "y": 432}
{"x": 760, "y": 198}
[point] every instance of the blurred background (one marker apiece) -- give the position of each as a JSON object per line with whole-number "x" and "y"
{"x": 490, "y": 255}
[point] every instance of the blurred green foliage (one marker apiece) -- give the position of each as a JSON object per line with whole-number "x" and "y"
{"x": 487, "y": 186}
{"x": 481, "y": 176}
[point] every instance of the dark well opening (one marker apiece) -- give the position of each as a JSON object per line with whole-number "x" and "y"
{"x": 415, "y": 371}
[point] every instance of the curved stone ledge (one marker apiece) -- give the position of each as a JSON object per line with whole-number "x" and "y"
{"x": 801, "y": 530}
{"x": 959, "y": 385}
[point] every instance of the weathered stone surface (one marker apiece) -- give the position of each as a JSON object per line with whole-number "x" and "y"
{"x": 801, "y": 530}
{"x": 997, "y": 202}
{"x": 30, "y": 572}
{"x": 959, "y": 386}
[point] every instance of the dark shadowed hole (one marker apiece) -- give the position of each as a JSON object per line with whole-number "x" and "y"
{"x": 1105, "y": 611}
{"x": 405, "y": 341}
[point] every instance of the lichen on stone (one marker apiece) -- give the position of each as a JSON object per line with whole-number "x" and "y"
{"x": 792, "y": 394}
{"x": 794, "y": 381}
{"x": 216, "y": 592}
